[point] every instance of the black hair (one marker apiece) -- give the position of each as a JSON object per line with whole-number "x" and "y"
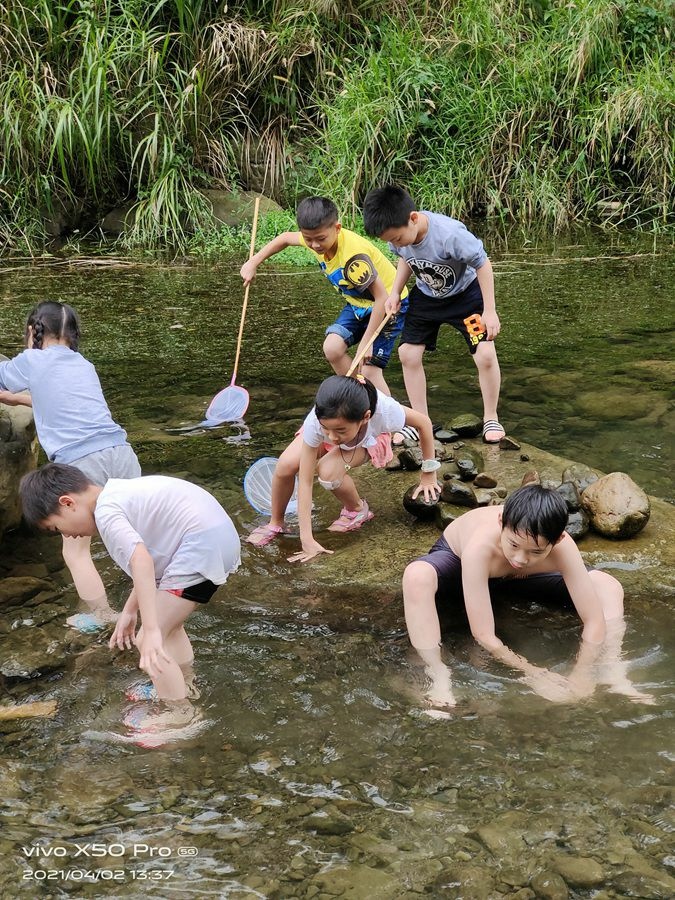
{"x": 343, "y": 397}
{"x": 315, "y": 212}
{"x": 536, "y": 511}
{"x": 386, "y": 207}
{"x": 53, "y": 319}
{"x": 40, "y": 490}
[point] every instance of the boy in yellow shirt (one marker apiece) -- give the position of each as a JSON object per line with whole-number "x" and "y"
{"x": 356, "y": 269}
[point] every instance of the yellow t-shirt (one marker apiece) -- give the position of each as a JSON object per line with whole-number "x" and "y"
{"x": 355, "y": 266}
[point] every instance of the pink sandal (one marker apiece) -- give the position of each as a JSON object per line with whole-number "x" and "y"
{"x": 349, "y": 520}
{"x": 264, "y": 535}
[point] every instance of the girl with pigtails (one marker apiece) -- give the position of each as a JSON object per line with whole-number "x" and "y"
{"x": 350, "y": 424}
{"x": 73, "y": 425}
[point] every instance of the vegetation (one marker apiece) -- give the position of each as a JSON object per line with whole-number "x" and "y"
{"x": 536, "y": 111}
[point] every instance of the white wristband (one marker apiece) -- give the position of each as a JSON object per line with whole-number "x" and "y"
{"x": 430, "y": 465}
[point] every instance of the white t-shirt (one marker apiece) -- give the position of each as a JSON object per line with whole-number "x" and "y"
{"x": 389, "y": 416}
{"x": 187, "y": 532}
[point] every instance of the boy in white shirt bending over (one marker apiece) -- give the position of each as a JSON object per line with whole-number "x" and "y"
{"x": 172, "y": 537}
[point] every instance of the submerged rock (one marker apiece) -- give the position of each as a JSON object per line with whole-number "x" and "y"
{"x": 617, "y": 507}
{"x": 549, "y": 885}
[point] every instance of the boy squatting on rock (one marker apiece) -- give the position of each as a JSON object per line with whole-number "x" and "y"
{"x": 172, "y": 537}
{"x": 358, "y": 271}
{"x": 454, "y": 284}
{"x": 519, "y": 551}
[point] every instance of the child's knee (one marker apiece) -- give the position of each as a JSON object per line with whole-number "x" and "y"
{"x": 485, "y": 356}
{"x": 329, "y": 475}
{"x": 419, "y": 578}
{"x": 334, "y": 347}
{"x": 410, "y": 354}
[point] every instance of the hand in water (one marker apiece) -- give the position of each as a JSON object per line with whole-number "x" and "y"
{"x": 153, "y": 654}
{"x": 550, "y": 685}
{"x": 124, "y": 634}
{"x": 309, "y": 551}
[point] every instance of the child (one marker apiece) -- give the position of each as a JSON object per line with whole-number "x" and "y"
{"x": 173, "y": 538}
{"x": 356, "y": 269}
{"x": 454, "y": 284}
{"x": 73, "y": 425}
{"x": 349, "y": 425}
{"x": 520, "y": 550}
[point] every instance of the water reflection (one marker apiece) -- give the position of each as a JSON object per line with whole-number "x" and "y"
{"x": 309, "y": 766}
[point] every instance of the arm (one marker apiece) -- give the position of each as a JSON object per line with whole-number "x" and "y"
{"x": 276, "y": 245}
{"x": 428, "y": 482}
{"x": 11, "y": 399}
{"x": 310, "y": 546}
{"x": 487, "y": 286}
{"x": 151, "y": 645}
{"x": 475, "y": 573}
{"x": 124, "y": 634}
{"x": 566, "y": 557}
{"x": 403, "y": 273}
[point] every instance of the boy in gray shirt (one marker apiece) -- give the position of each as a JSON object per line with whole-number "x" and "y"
{"x": 454, "y": 284}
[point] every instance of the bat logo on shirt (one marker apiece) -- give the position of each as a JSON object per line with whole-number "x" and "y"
{"x": 360, "y": 271}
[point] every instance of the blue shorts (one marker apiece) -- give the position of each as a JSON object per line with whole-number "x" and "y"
{"x": 543, "y": 587}
{"x": 351, "y": 329}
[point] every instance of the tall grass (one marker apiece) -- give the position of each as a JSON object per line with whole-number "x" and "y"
{"x": 521, "y": 110}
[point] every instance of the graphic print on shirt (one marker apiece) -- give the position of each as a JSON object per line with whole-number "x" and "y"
{"x": 354, "y": 278}
{"x": 438, "y": 278}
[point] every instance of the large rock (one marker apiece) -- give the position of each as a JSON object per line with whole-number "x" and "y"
{"x": 226, "y": 208}
{"x": 18, "y": 455}
{"x": 617, "y": 507}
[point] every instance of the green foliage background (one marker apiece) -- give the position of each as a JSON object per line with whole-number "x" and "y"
{"x": 531, "y": 111}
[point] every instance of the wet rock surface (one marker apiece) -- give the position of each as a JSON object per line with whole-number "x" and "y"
{"x": 616, "y": 506}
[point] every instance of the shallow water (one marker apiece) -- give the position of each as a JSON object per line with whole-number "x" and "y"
{"x": 308, "y": 766}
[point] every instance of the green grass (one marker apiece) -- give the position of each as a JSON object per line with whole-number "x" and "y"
{"x": 535, "y": 112}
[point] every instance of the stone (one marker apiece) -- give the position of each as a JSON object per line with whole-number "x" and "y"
{"x": 483, "y": 480}
{"x": 232, "y": 209}
{"x": 617, "y": 507}
{"x": 570, "y": 494}
{"x": 18, "y": 455}
{"x": 579, "y": 871}
{"x": 484, "y": 498}
{"x": 419, "y": 507}
{"x": 329, "y": 820}
{"x": 509, "y": 443}
{"x": 581, "y": 475}
{"x": 445, "y": 514}
{"x": 356, "y": 882}
{"x": 458, "y": 493}
{"x": 465, "y": 425}
{"x": 549, "y": 885}
{"x": 21, "y": 588}
{"x": 468, "y": 463}
{"x": 524, "y": 457}
{"x": 445, "y": 436}
{"x": 394, "y": 465}
{"x": 578, "y": 524}
{"x": 411, "y": 459}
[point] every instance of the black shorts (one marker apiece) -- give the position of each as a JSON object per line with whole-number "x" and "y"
{"x": 198, "y": 593}
{"x": 548, "y": 587}
{"x": 426, "y": 315}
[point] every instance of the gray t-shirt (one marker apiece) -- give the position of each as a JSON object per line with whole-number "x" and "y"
{"x": 444, "y": 262}
{"x": 72, "y": 418}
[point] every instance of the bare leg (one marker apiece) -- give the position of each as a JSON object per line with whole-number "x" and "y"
{"x": 335, "y": 351}
{"x": 87, "y": 581}
{"x": 283, "y": 482}
{"x": 376, "y": 375}
{"x": 332, "y": 468}
{"x": 420, "y": 583}
{"x": 489, "y": 377}
{"x": 172, "y": 611}
{"x": 414, "y": 376}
